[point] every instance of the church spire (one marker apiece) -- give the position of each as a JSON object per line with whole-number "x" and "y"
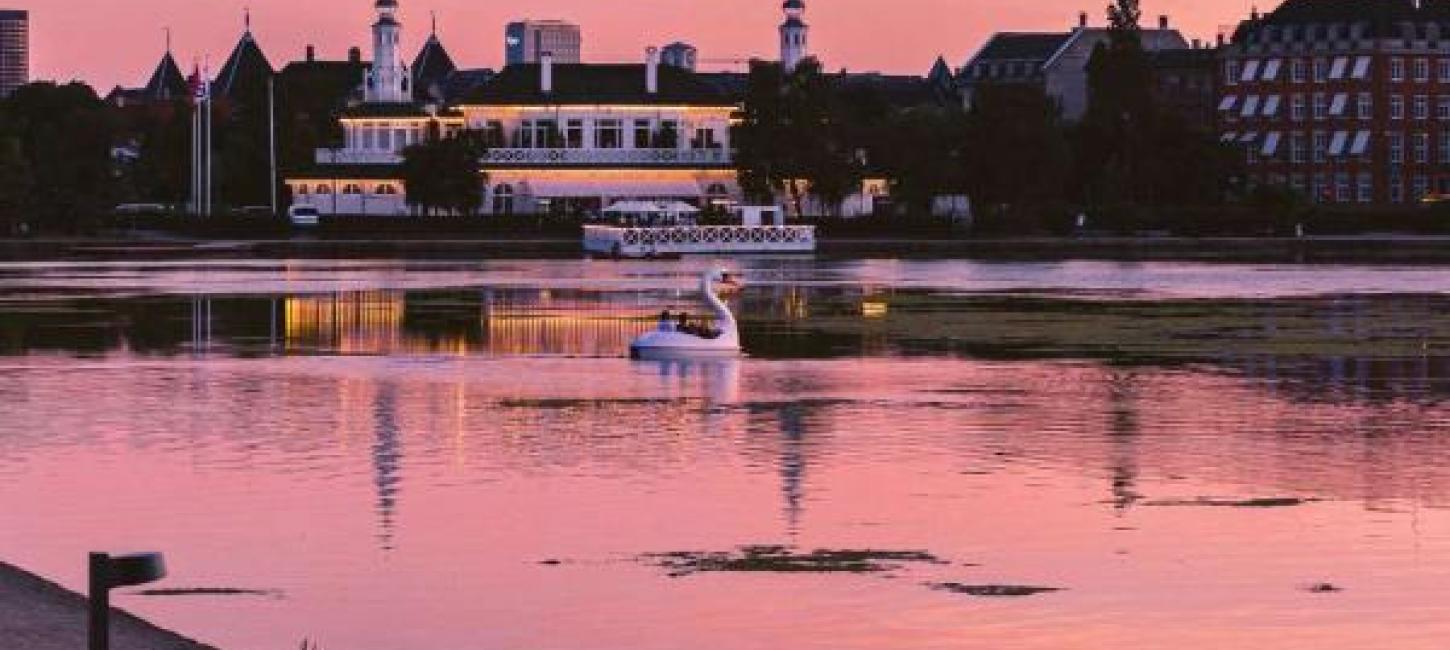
{"x": 387, "y": 82}
{"x": 793, "y": 33}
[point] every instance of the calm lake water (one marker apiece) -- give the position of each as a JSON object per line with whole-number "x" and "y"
{"x": 459, "y": 455}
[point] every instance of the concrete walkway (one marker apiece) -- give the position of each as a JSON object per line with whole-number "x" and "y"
{"x": 36, "y": 614}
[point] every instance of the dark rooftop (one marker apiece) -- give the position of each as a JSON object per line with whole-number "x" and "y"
{"x": 1007, "y": 46}
{"x": 431, "y": 69}
{"x": 245, "y": 71}
{"x": 462, "y": 83}
{"x": 1377, "y": 18}
{"x": 582, "y": 83}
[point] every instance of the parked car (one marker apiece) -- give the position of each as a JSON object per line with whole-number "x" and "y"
{"x": 304, "y": 216}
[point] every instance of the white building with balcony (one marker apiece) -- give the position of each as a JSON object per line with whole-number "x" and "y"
{"x": 574, "y": 138}
{"x": 561, "y": 139}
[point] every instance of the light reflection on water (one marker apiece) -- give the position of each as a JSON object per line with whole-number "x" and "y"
{"x": 399, "y": 462}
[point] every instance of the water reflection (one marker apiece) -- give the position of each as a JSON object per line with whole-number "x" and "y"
{"x": 387, "y": 453}
{"x": 449, "y": 438}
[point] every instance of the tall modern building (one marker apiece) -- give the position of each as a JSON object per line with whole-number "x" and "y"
{"x": 14, "y": 50}
{"x": 526, "y": 40}
{"x": 680, "y": 55}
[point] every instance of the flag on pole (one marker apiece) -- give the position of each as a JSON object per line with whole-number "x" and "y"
{"x": 194, "y": 86}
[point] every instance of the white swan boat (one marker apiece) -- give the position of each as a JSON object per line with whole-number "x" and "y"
{"x": 670, "y": 342}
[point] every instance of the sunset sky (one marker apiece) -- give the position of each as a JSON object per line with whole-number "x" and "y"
{"x": 106, "y": 42}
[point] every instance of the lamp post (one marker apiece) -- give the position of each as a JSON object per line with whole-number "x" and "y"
{"x": 108, "y": 572}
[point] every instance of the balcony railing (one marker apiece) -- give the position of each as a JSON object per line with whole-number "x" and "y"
{"x": 607, "y": 156}
{"x": 514, "y": 156}
{"x": 347, "y": 157}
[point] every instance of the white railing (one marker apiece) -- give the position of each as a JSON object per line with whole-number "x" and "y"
{"x": 349, "y": 157}
{"x": 639, "y": 242}
{"x": 607, "y": 156}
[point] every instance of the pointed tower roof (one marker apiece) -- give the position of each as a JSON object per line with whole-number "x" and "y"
{"x": 939, "y": 70}
{"x": 245, "y": 71}
{"x": 166, "y": 82}
{"x": 431, "y": 68}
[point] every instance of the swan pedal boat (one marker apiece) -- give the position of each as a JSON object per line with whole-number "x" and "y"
{"x": 668, "y": 342}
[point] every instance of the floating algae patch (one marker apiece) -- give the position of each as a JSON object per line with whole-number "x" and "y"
{"x": 1263, "y": 502}
{"x": 565, "y": 403}
{"x": 991, "y": 591}
{"x": 783, "y": 559}
{"x": 1323, "y": 588}
{"x": 210, "y": 591}
{"x": 1154, "y": 332}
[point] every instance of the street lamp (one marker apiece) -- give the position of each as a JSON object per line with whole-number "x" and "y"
{"x": 108, "y": 572}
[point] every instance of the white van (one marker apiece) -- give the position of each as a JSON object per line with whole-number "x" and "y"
{"x": 304, "y": 216}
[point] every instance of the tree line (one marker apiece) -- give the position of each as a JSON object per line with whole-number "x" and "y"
{"x": 807, "y": 132}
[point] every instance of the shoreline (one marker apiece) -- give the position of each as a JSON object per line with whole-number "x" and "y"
{"x": 1382, "y": 248}
{"x": 37, "y": 614}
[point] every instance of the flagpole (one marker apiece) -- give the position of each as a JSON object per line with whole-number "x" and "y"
{"x": 206, "y": 98}
{"x": 272, "y": 139}
{"x": 196, "y": 142}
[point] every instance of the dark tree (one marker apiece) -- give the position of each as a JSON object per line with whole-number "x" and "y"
{"x": 924, "y": 153}
{"x": 64, "y": 135}
{"x": 1115, "y": 145}
{"x": 162, "y": 173}
{"x": 443, "y": 175}
{"x": 793, "y": 138}
{"x": 1017, "y": 151}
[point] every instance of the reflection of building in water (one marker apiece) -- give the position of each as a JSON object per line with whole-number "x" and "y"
{"x": 495, "y": 322}
{"x": 387, "y": 460}
{"x": 1123, "y": 432}
{"x": 354, "y": 322}
{"x": 567, "y": 323}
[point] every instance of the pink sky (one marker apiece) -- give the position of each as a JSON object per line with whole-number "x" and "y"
{"x": 106, "y": 42}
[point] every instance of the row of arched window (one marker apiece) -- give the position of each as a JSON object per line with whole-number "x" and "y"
{"x": 347, "y": 188}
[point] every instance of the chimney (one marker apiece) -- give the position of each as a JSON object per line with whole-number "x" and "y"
{"x": 652, "y": 70}
{"x": 1082, "y": 19}
{"x": 1197, "y": 44}
{"x": 311, "y": 54}
{"x": 1220, "y": 40}
{"x": 1163, "y": 23}
{"x": 354, "y": 54}
{"x": 546, "y": 72}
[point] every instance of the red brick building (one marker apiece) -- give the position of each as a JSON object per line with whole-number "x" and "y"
{"x": 1347, "y": 101}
